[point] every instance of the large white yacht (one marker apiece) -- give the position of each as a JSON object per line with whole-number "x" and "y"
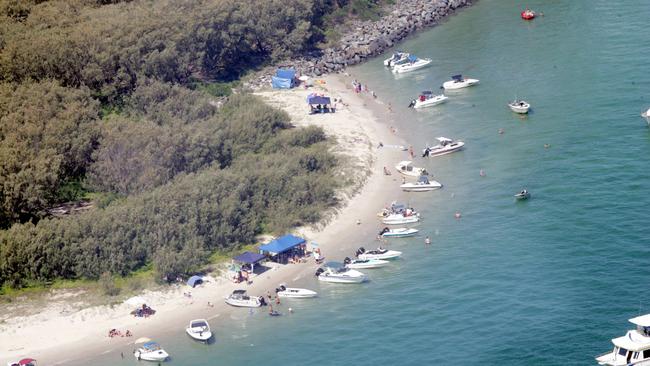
{"x": 631, "y": 349}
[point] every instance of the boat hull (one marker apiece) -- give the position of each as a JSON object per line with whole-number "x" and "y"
{"x": 336, "y": 279}
{"x": 200, "y": 336}
{"x": 452, "y": 85}
{"x": 444, "y": 151}
{"x": 430, "y": 102}
{"x": 391, "y": 254}
{"x": 372, "y": 263}
{"x": 157, "y": 356}
{"x": 402, "y": 220}
{"x": 521, "y": 109}
{"x": 243, "y": 303}
{"x": 294, "y": 293}
{"x": 411, "y": 187}
{"x": 400, "y": 69}
{"x": 400, "y": 233}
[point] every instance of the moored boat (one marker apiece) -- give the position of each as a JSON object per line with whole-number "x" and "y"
{"x": 406, "y": 168}
{"x": 199, "y": 329}
{"x": 296, "y": 293}
{"x": 422, "y": 185}
{"x": 396, "y": 58}
{"x": 413, "y": 63}
{"x": 240, "y": 298}
{"x": 379, "y": 253}
{"x": 23, "y": 362}
{"x": 445, "y": 146}
{"x": 527, "y": 14}
{"x": 401, "y": 232}
{"x": 150, "y": 351}
{"x": 523, "y": 195}
{"x": 519, "y": 106}
{"x": 399, "y": 219}
{"x": 364, "y": 263}
{"x": 458, "y": 82}
{"x": 340, "y": 275}
{"x": 631, "y": 349}
{"x": 427, "y": 99}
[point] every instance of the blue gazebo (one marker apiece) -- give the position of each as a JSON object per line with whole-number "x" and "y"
{"x": 282, "y": 244}
{"x": 250, "y": 258}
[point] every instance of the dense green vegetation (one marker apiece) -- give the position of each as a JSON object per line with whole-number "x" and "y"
{"x": 113, "y": 100}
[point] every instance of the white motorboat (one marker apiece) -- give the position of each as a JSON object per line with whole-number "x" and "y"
{"x": 150, "y": 351}
{"x": 413, "y": 63}
{"x": 445, "y": 146}
{"x": 199, "y": 329}
{"x": 422, "y": 185}
{"x": 340, "y": 275}
{"x": 519, "y": 106}
{"x": 400, "y": 219}
{"x": 427, "y": 99}
{"x": 241, "y": 299}
{"x": 397, "y": 208}
{"x": 296, "y": 293}
{"x": 364, "y": 263}
{"x": 523, "y": 195}
{"x": 646, "y": 115}
{"x": 378, "y": 253}
{"x": 407, "y": 168}
{"x": 397, "y": 58}
{"x": 631, "y": 349}
{"x": 458, "y": 82}
{"x": 401, "y": 232}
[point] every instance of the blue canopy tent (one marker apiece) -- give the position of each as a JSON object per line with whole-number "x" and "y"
{"x": 284, "y": 79}
{"x": 195, "y": 280}
{"x": 282, "y": 244}
{"x": 316, "y": 99}
{"x": 250, "y": 258}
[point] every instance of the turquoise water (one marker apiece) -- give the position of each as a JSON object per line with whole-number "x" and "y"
{"x": 543, "y": 282}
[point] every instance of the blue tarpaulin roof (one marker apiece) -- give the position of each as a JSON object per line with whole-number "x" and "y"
{"x": 195, "y": 280}
{"x": 282, "y": 244}
{"x": 286, "y": 73}
{"x": 250, "y": 258}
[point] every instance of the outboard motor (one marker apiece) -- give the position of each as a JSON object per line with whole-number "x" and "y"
{"x": 347, "y": 260}
{"x": 426, "y": 152}
{"x": 360, "y": 251}
{"x": 262, "y": 301}
{"x": 384, "y": 230}
{"x": 319, "y": 271}
{"x": 412, "y": 104}
{"x": 283, "y": 287}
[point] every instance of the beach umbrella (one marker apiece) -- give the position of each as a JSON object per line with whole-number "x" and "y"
{"x": 142, "y": 340}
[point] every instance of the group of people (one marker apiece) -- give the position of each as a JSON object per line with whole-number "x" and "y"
{"x": 116, "y": 333}
{"x": 145, "y": 311}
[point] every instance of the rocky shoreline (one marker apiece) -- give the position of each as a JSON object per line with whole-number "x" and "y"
{"x": 370, "y": 38}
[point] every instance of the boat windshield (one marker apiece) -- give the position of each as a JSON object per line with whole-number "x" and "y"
{"x": 199, "y": 324}
{"x": 644, "y": 331}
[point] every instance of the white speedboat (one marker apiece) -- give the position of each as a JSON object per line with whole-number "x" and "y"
{"x": 413, "y": 63}
{"x": 150, "y": 351}
{"x": 401, "y": 232}
{"x": 296, "y": 293}
{"x": 199, "y": 329}
{"x": 407, "y": 168}
{"x": 445, "y": 146}
{"x": 427, "y": 99}
{"x": 397, "y": 208}
{"x": 364, "y": 263}
{"x": 378, "y": 253}
{"x": 523, "y": 195}
{"x": 241, "y": 299}
{"x": 340, "y": 275}
{"x": 631, "y": 349}
{"x": 400, "y": 219}
{"x": 458, "y": 82}
{"x": 397, "y": 58}
{"x": 646, "y": 115}
{"x": 422, "y": 185}
{"x": 519, "y": 106}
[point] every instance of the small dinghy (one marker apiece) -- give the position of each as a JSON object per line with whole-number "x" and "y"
{"x": 199, "y": 329}
{"x": 379, "y": 253}
{"x": 422, "y": 185}
{"x": 427, "y": 99}
{"x": 397, "y": 58}
{"x": 401, "y": 232}
{"x": 400, "y": 219}
{"x": 519, "y": 106}
{"x": 406, "y": 168}
{"x": 646, "y": 115}
{"x": 340, "y": 275}
{"x": 413, "y": 63}
{"x": 295, "y": 293}
{"x": 458, "y": 82}
{"x": 445, "y": 146}
{"x": 527, "y": 14}
{"x": 240, "y": 298}
{"x": 523, "y": 195}
{"x": 150, "y": 351}
{"x": 364, "y": 263}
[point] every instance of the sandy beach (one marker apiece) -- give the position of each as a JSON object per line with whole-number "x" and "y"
{"x": 55, "y": 334}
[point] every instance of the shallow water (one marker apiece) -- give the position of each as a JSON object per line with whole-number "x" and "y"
{"x": 544, "y": 282}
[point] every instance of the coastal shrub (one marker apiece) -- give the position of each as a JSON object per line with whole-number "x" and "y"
{"x": 107, "y": 284}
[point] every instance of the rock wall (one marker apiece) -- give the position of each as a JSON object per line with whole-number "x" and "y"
{"x": 369, "y": 38}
